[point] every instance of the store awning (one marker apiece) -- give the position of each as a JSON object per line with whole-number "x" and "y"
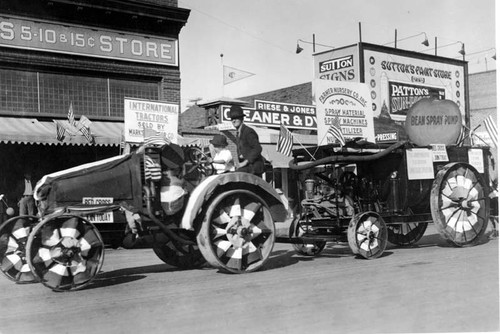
{"x": 29, "y": 130}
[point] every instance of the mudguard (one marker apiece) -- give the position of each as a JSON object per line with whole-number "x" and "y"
{"x": 217, "y": 183}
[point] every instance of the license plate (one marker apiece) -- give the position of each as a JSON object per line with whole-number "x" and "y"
{"x": 101, "y": 217}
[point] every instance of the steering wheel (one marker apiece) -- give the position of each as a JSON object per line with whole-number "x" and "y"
{"x": 199, "y": 161}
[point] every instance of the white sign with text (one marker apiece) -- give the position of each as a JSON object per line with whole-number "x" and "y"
{"x": 155, "y": 115}
{"x": 345, "y": 105}
{"x": 419, "y": 164}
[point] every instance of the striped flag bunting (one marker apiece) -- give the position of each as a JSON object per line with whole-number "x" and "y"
{"x": 491, "y": 128}
{"x": 335, "y": 131}
{"x": 152, "y": 170}
{"x": 285, "y": 141}
{"x": 152, "y": 137}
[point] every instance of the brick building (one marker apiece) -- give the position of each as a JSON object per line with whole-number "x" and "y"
{"x": 86, "y": 54}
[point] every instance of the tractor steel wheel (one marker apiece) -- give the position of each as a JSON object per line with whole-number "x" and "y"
{"x": 297, "y": 230}
{"x": 237, "y": 232}
{"x": 460, "y": 204}
{"x": 13, "y": 237}
{"x": 65, "y": 252}
{"x": 405, "y": 234}
{"x": 367, "y": 235}
{"x": 177, "y": 254}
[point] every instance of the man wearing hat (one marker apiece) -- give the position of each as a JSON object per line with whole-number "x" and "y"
{"x": 222, "y": 157}
{"x": 247, "y": 143}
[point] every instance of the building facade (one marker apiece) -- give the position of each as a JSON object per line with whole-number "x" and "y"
{"x": 63, "y": 61}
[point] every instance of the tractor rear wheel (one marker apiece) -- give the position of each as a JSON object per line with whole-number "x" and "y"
{"x": 237, "y": 232}
{"x": 460, "y": 205}
{"x": 177, "y": 254}
{"x": 405, "y": 234}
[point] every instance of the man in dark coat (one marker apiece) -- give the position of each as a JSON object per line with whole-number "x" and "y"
{"x": 247, "y": 143}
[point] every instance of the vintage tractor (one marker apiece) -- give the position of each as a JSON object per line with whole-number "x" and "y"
{"x": 226, "y": 220}
{"x": 364, "y": 196}
{"x": 367, "y": 194}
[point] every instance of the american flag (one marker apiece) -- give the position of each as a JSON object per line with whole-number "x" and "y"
{"x": 285, "y": 141}
{"x": 60, "y": 131}
{"x": 336, "y": 131}
{"x": 491, "y": 128}
{"x": 71, "y": 115}
{"x": 152, "y": 137}
{"x": 86, "y": 132}
{"x": 84, "y": 127}
{"x": 152, "y": 170}
{"x": 84, "y": 121}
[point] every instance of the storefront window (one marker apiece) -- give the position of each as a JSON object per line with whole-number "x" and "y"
{"x": 88, "y": 95}
{"x": 49, "y": 93}
{"x": 18, "y": 91}
{"x": 119, "y": 89}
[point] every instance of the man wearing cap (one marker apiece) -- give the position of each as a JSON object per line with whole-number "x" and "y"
{"x": 247, "y": 143}
{"x": 222, "y": 158}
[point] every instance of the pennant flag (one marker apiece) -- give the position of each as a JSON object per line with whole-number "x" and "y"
{"x": 71, "y": 115}
{"x": 60, "y": 131}
{"x": 285, "y": 141}
{"x": 336, "y": 131}
{"x": 232, "y": 74}
{"x": 152, "y": 137}
{"x": 491, "y": 128}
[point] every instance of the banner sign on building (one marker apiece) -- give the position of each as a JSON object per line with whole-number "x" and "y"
{"x": 77, "y": 40}
{"x": 343, "y": 104}
{"x": 396, "y": 80}
{"x": 144, "y": 114}
{"x": 274, "y": 114}
{"x": 402, "y": 96}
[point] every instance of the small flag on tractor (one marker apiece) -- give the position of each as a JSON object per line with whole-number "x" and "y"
{"x": 285, "y": 141}
{"x": 152, "y": 137}
{"x": 336, "y": 131}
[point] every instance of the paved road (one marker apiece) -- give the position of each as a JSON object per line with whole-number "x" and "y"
{"x": 429, "y": 288}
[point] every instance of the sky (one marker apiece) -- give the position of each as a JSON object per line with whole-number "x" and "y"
{"x": 260, "y": 37}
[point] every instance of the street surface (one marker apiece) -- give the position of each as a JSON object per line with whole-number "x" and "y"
{"x": 432, "y": 287}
